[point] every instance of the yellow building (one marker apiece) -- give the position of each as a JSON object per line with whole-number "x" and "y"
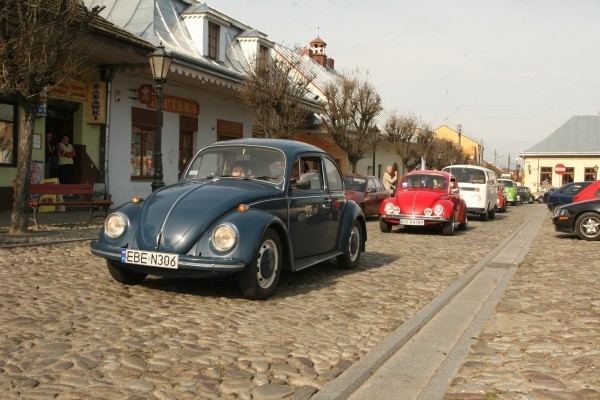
{"x": 470, "y": 147}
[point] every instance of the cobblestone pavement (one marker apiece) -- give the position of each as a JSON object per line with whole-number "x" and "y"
{"x": 543, "y": 341}
{"x": 70, "y": 332}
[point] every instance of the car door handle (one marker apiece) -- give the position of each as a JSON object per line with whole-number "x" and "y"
{"x": 328, "y": 200}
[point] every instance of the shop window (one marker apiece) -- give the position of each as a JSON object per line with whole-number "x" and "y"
{"x": 143, "y": 136}
{"x": 8, "y": 135}
{"x": 590, "y": 174}
{"x": 569, "y": 175}
{"x": 545, "y": 175}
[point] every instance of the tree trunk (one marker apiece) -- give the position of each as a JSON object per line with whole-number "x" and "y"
{"x": 20, "y": 217}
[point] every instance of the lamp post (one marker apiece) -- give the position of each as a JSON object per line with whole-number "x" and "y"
{"x": 160, "y": 62}
{"x": 375, "y": 138}
{"x": 596, "y": 171}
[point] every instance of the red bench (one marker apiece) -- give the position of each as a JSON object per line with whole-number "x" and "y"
{"x": 83, "y": 195}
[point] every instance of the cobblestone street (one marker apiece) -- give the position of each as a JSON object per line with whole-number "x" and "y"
{"x": 70, "y": 332}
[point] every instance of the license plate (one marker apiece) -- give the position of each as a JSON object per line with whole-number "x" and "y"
{"x": 412, "y": 222}
{"x": 150, "y": 258}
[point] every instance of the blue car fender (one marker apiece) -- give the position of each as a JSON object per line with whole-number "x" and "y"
{"x": 251, "y": 225}
{"x": 352, "y": 213}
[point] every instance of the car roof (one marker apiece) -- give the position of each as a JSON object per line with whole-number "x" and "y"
{"x": 360, "y": 175}
{"x": 429, "y": 172}
{"x": 289, "y": 147}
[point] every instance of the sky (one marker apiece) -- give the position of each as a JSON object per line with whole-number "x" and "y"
{"x": 510, "y": 72}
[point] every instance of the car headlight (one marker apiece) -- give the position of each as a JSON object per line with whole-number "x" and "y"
{"x": 391, "y": 209}
{"x": 224, "y": 237}
{"x": 477, "y": 198}
{"x": 115, "y": 225}
{"x": 438, "y": 209}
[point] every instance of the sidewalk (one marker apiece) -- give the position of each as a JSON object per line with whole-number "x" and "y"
{"x": 55, "y": 227}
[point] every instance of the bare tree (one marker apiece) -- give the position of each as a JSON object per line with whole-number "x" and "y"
{"x": 350, "y": 108}
{"x": 275, "y": 89}
{"x": 36, "y": 42}
{"x": 399, "y": 131}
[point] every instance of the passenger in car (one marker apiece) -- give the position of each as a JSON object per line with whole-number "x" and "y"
{"x": 238, "y": 170}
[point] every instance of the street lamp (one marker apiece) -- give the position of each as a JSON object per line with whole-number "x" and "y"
{"x": 375, "y": 138}
{"x": 596, "y": 171}
{"x": 160, "y": 62}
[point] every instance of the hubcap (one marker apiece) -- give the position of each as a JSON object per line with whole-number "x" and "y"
{"x": 267, "y": 263}
{"x": 590, "y": 227}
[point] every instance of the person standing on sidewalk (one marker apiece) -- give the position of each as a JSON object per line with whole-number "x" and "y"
{"x": 66, "y": 153}
{"x": 390, "y": 177}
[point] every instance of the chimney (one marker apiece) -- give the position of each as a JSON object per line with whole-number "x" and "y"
{"x": 330, "y": 63}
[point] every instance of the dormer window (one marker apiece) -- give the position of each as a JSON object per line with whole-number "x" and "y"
{"x": 213, "y": 40}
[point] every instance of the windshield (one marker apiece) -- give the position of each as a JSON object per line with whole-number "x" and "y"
{"x": 355, "y": 183}
{"x": 467, "y": 175}
{"x": 238, "y": 162}
{"x": 429, "y": 181}
{"x": 507, "y": 183}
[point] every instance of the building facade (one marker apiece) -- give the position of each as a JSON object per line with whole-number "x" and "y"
{"x": 569, "y": 154}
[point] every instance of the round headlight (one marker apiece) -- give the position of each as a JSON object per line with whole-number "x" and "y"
{"x": 477, "y": 198}
{"x": 224, "y": 237}
{"x": 438, "y": 210}
{"x": 115, "y": 225}
{"x": 391, "y": 209}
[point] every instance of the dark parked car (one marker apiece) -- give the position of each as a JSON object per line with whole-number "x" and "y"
{"x": 248, "y": 208}
{"x": 524, "y": 194}
{"x": 582, "y": 218}
{"x": 366, "y": 191}
{"x": 564, "y": 194}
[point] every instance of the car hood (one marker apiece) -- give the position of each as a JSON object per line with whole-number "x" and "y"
{"x": 416, "y": 201}
{"x": 173, "y": 218}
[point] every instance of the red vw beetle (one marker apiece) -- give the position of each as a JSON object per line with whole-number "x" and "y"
{"x": 425, "y": 198}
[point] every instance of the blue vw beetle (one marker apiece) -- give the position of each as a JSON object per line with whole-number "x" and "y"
{"x": 249, "y": 207}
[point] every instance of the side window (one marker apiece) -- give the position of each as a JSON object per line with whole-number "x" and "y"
{"x": 308, "y": 169}
{"x": 370, "y": 184}
{"x": 379, "y": 185}
{"x": 334, "y": 178}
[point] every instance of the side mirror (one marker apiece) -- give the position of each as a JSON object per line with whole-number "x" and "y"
{"x": 456, "y": 191}
{"x": 370, "y": 190}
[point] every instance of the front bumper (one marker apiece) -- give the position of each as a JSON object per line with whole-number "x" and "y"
{"x": 428, "y": 220}
{"x": 187, "y": 263}
{"x": 563, "y": 225}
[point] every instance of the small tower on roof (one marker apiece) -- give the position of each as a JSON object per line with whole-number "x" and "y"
{"x": 316, "y": 51}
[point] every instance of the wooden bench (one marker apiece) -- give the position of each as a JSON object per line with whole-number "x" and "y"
{"x": 84, "y": 196}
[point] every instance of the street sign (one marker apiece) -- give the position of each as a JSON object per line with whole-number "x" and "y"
{"x": 559, "y": 169}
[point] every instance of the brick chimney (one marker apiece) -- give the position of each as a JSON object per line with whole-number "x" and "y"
{"x": 330, "y": 63}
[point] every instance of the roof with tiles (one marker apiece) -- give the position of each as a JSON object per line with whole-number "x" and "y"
{"x": 579, "y": 135}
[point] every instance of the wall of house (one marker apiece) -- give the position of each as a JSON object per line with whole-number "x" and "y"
{"x": 212, "y": 108}
{"x": 532, "y": 179}
{"x": 384, "y": 156}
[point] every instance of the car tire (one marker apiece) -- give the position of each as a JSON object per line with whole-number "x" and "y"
{"x": 483, "y": 216}
{"x": 492, "y": 213}
{"x": 350, "y": 259}
{"x": 259, "y": 279}
{"x": 124, "y": 275}
{"x": 448, "y": 228}
{"x": 587, "y": 226}
{"x": 385, "y": 227}
{"x": 464, "y": 225}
